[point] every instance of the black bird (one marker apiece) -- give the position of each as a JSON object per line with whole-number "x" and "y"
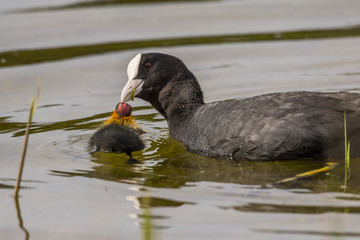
{"x": 119, "y": 134}
{"x": 273, "y": 126}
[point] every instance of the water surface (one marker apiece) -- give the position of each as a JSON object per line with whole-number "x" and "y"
{"x": 236, "y": 49}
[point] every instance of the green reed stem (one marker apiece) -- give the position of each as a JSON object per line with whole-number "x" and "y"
{"x": 33, "y": 106}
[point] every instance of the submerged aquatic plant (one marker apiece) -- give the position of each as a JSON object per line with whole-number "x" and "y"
{"x": 329, "y": 166}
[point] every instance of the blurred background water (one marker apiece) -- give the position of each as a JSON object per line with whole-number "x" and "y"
{"x": 80, "y": 49}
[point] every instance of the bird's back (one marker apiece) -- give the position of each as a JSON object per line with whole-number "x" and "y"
{"x": 274, "y": 126}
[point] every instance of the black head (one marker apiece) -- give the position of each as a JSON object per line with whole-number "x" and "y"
{"x": 156, "y": 77}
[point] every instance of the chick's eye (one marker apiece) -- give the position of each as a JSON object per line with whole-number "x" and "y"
{"x": 147, "y": 65}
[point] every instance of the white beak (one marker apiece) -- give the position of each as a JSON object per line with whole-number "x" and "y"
{"x": 132, "y": 85}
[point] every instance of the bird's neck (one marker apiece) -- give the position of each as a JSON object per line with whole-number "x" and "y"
{"x": 179, "y": 96}
{"x": 177, "y": 101}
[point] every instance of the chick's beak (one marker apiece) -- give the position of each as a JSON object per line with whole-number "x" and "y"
{"x": 131, "y": 88}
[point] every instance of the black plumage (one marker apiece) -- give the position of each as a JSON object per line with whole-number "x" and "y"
{"x": 118, "y": 139}
{"x": 274, "y": 126}
{"x": 119, "y": 134}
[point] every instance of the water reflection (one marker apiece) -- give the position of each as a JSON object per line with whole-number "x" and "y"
{"x": 86, "y": 123}
{"x": 24, "y": 57}
{"x": 169, "y": 165}
{"x": 309, "y": 233}
{"x": 98, "y": 3}
{"x": 255, "y": 207}
{"x": 21, "y": 222}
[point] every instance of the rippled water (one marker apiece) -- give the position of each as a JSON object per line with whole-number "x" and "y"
{"x": 80, "y": 50}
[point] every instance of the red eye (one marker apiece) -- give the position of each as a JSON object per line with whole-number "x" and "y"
{"x": 147, "y": 65}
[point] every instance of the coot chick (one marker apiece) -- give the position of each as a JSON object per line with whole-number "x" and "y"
{"x": 275, "y": 126}
{"x": 119, "y": 134}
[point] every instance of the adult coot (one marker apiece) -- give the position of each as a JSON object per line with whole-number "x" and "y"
{"x": 118, "y": 134}
{"x": 273, "y": 126}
